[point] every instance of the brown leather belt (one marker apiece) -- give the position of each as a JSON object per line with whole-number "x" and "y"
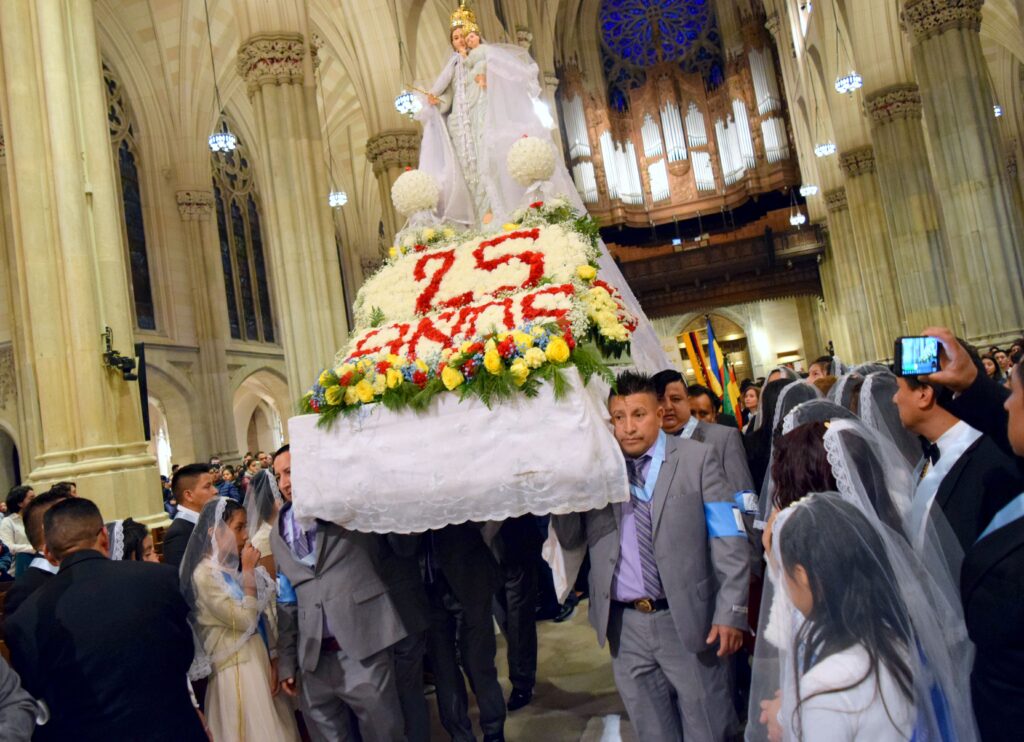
{"x": 645, "y": 605}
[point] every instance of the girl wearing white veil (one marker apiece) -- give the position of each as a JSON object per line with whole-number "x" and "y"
{"x": 261, "y": 507}
{"x": 868, "y": 473}
{"x": 869, "y": 657}
{"x": 844, "y": 392}
{"x": 234, "y": 622}
{"x": 880, "y": 413}
{"x": 131, "y": 540}
{"x": 791, "y": 396}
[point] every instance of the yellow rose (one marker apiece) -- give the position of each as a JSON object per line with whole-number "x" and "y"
{"x": 464, "y": 348}
{"x": 492, "y": 361}
{"x": 522, "y": 339}
{"x": 364, "y": 391}
{"x": 520, "y": 371}
{"x": 557, "y": 350}
{"x": 380, "y": 383}
{"x": 393, "y": 252}
{"x": 452, "y": 378}
{"x": 428, "y": 234}
{"x": 345, "y": 368}
{"x": 586, "y": 272}
{"x": 395, "y": 360}
{"x": 490, "y": 345}
{"x": 538, "y": 331}
{"x": 509, "y": 227}
{"x": 334, "y": 395}
{"x": 350, "y": 395}
{"x": 535, "y": 357}
{"x": 421, "y": 365}
{"x": 326, "y": 378}
{"x": 393, "y": 377}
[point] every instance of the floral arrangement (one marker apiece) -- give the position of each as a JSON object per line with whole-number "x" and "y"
{"x": 482, "y": 314}
{"x": 414, "y": 191}
{"x": 529, "y": 160}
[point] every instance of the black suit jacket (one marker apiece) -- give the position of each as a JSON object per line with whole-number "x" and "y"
{"x": 992, "y": 588}
{"x": 107, "y": 646}
{"x": 981, "y": 407}
{"x": 175, "y": 540}
{"x": 982, "y": 481}
{"x": 31, "y": 580}
{"x": 468, "y": 565}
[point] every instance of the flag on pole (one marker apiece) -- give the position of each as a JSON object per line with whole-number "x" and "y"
{"x": 695, "y": 352}
{"x": 727, "y": 388}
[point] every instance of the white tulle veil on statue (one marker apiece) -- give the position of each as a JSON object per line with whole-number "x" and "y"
{"x": 213, "y": 547}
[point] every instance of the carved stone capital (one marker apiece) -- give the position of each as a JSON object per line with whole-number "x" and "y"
{"x": 194, "y": 206}
{"x": 8, "y": 380}
{"x": 927, "y": 18}
{"x": 901, "y": 101}
{"x": 835, "y": 200}
{"x": 399, "y": 148}
{"x": 524, "y": 37}
{"x": 772, "y": 24}
{"x": 859, "y": 161}
{"x": 271, "y": 59}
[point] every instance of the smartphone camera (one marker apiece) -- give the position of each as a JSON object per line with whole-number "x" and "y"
{"x": 916, "y": 356}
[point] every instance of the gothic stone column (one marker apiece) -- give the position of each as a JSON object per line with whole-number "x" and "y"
{"x": 306, "y": 278}
{"x": 919, "y": 247}
{"x": 195, "y": 207}
{"x": 390, "y": 153}
{"x": 983, "y": 226}
{"x": 874, "y": 252}
{"x": 68, "y": 260}
{"x": 852, "y": 307}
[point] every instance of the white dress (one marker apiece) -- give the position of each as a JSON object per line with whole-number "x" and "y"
{"x": 858, "y": 713}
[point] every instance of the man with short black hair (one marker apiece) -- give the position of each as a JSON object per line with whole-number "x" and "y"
{"x": 105, "y": 645}
{"x": 43, "y": 567}
{"x": 678, "y": 420}
{"x": 669, "y": 571}
{"x": 963, "y": 471}
{"x": 193, "y": 487}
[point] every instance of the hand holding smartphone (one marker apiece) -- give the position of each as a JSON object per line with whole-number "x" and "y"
{"x": 916, "y": 355}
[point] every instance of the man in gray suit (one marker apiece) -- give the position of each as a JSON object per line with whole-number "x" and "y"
{"x": 679, "y": 420}
{"x": 337, "y": 625}
{"x": 668, "y": 580}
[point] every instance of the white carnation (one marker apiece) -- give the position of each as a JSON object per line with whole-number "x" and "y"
{"x": 530, "y": 159}
{"x": 414, "y": 191}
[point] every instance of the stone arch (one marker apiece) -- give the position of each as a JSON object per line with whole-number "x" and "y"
{"x": 175, "y": 399}
{"x": 12, "y": 470}
{"x": 261, "y": 403}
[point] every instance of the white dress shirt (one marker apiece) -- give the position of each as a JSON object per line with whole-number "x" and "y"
{"x": 952, "y": 445}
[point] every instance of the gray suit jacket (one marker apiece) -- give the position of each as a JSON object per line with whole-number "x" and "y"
{"x": 705, "y": 579}
{"x": 346, "y": 587}
{"x": 727, "y": 443}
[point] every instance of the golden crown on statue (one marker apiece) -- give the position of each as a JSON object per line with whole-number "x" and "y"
{"x": 463, "y": 17}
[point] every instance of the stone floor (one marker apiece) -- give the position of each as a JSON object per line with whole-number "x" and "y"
{"x": 575, "y": 698}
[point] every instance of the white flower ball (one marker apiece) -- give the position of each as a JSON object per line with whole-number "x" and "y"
{"x": 414, "y": 191}
{"x": 531, "y": 159}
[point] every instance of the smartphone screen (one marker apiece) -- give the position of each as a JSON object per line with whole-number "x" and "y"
{"x": 917, "y": 356}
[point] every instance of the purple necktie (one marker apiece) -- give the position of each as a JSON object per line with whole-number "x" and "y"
{"x": 644, "y": 525}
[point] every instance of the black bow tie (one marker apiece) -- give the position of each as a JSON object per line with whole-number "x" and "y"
{"x": 931, "y": 451}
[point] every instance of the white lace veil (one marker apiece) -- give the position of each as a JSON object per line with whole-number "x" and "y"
{"x": 856, "y": 562}
{"x": 843, "y": 391}
{"x": 880, "y": 413}
{"x": 790, "y": 397}
{"x": 814, "y": 411}
{"x": 261, "y": 502}
{"x": 210, "y": 571}
{"x": 115, "y": 531}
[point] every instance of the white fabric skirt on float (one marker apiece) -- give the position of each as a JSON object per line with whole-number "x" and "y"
{"x": 401, "y": 472}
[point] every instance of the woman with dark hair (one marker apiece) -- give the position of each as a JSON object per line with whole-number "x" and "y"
{"x": 233, "y": 614}
{"x": 751, "y": 400}
{"x": 131, "y": 541}
{"x": 261, "y": 506}
{"x": 12, "y": 528}
{"x": 850, "y": 674}
{"x": 992, "y": 369}
{"x": 757, "y": 440}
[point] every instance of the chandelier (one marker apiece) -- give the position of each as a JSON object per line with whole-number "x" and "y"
{"x": 407, "y": 104}
{"x": 849, "y": 82}
{"x": 221, "y": 140}
{"x": 824, "y": 149}
{"x": 336, "y": 199}
{"x": 997, "y": 110}
{"x": 796, "y": 217}
{"x": 808, "y": 190}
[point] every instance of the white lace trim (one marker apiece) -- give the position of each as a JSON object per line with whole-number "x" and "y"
{"x": 117, "y": 545}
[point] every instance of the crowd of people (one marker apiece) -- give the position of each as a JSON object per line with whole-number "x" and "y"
{"x": 844, "y": 562}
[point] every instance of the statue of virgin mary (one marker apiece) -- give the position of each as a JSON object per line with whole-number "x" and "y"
{"x": 487, "y": 97}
